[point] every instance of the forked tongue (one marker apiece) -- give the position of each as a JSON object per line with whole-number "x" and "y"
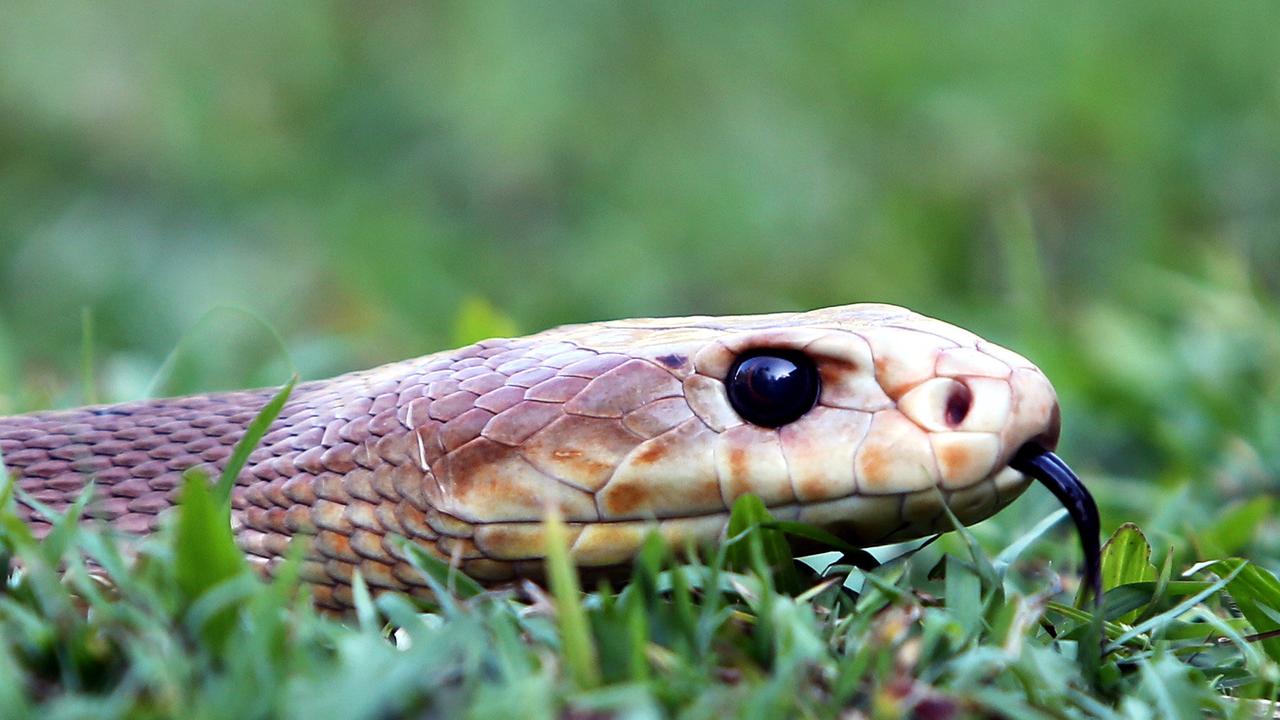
{"x": 1035, "y": 461}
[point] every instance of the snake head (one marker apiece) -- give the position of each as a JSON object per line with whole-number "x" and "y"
{"x": 874, "y": 418}
{"x": 909, "y": 413}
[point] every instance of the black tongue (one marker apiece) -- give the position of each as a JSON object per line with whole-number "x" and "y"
{"x": 1041, "y": 464}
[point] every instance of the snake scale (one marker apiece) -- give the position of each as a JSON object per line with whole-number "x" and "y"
{"x": 861, "y": 419}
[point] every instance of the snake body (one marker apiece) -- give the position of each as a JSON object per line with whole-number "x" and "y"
{"x": 623, "y": 426}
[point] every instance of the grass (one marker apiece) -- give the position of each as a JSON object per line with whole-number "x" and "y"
{"x": 942, "y": 630}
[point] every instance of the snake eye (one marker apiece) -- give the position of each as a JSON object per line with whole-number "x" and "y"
{"x": 773, "y": 387}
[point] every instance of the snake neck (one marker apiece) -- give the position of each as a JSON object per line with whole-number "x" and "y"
{"x": 344, "y": 466}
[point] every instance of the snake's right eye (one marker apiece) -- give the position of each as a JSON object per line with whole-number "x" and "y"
{"x": 772, "y": 387}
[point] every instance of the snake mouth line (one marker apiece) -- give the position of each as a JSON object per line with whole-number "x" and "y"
{"x": 860, "y": 520}
{"x": 1034, "y": 460}
{"x": 785, "y": 510}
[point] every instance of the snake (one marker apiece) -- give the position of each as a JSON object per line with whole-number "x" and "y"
{"x": 869, "y": 421}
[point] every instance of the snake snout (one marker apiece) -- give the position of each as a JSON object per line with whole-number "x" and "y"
{"x": 1035, "y": 417}
{"x": 1049, "y": 438}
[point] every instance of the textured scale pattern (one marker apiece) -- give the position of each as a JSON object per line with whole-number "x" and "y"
{"x": 623, "y": 426}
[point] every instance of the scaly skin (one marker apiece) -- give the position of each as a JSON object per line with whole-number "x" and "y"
{"x": 623, "y": 426}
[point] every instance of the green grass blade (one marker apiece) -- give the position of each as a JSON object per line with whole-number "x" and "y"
{"x": 1014, "y": 550}
{"x": 1126, "y": 559}
{"x": 88, "y": 388}
{"x": 252, "y": 436}
{"x": 1176, "y": 610}
{"x": 65, "y": 528}
{"x": 166, "y": 366}
{"x": 963, "y": 594}
{"x": 366, "y": 612}
{"x": 575, "y": 632}
{"x": 637, "y": 635}
{"x": 1257, "y": 593}
{"x": 450, "y": 579}
{"x": 205, "y": 552}
{"x": 853, "y": 554}
{"x": 981, "y": 563}
{"x": 1123, "y": 600}
{"x": 750, "y": 514}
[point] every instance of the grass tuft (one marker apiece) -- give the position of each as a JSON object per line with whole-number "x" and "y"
{"x": 184, "y": 628}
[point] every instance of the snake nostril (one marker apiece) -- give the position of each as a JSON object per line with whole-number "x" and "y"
{"x": 959, "y": 400}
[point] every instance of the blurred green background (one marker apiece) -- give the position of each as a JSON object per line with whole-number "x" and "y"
{"x": 1096, "y": 185}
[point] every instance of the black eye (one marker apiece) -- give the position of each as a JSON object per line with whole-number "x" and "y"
{"x": 772, "y": 388}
